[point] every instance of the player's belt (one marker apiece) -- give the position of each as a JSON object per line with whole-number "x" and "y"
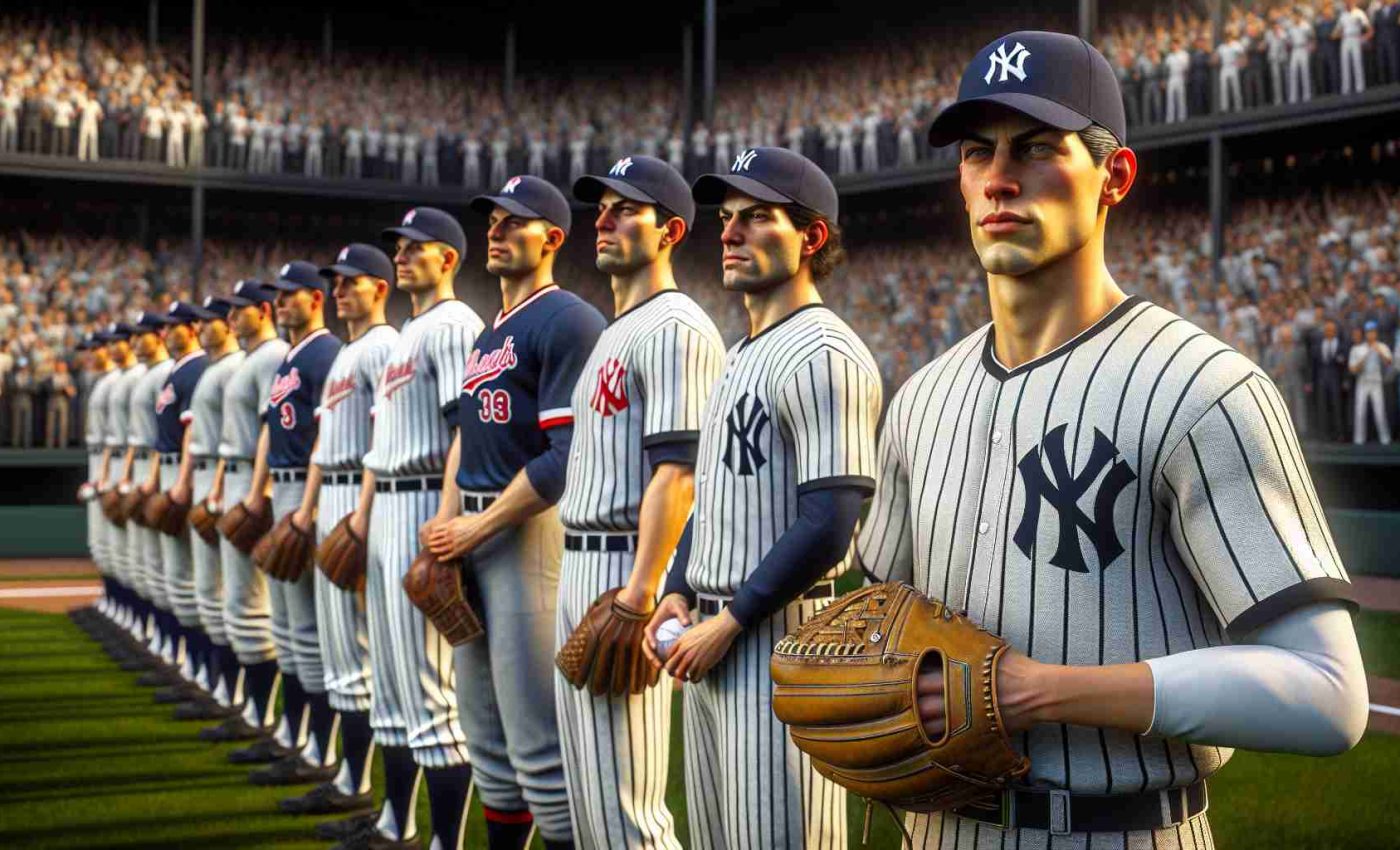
{"x": 1061, "y": 812}
{"x": 288, "y": 476}
{"x": 231, "y": 467}
{"x": 590, "y": 542}
{"x": 170, "y": 459}
{"x": 475, "y": 503}
{"x": 407, "y": 485}
{"x": 710, "y": 604}
{"x": 343, "y": 478}
{"x": 141, "y": 454}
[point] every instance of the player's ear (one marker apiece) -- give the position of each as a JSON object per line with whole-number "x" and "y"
{"x": 673, "y": 231}
{"x": 1122, "y": 171}
{"x": 450, "y": 259}
{"x": 814, "y": 236}
{"x": 553, "y": 239}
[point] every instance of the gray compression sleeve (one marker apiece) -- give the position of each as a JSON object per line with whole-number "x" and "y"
{"x": 1295, "y": 686}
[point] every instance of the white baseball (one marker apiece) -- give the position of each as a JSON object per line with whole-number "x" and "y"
{"x": 666, "y": 635}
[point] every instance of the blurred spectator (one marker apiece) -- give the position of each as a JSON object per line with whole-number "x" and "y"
{"x": 61, "y": 392}
{"x": 1370, "y": 361}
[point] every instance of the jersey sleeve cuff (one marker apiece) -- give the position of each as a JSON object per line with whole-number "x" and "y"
{"x": 863, "y": 483}
{"x": 556, "y": 416}
{"x": 187, "y": 417}
{"x": 1294, "y": 596}
{"x": 682, "y": 452}
{"x": 449, "y": 410}
{"x": 664, "y": 437}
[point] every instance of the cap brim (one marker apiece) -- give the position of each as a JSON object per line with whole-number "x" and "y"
{"x": 342, "y": 269}
{"x": 391, "y": 233}
{"x": 284, "y": 285}
{"x": 949, "y": 126}
{"x": 204, "y": 315}
{"x": 711, "y": 189}
{"x": 590, "y": 189}
{"x": 485, "y": 203}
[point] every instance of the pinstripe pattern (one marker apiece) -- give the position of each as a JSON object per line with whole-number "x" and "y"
{"x": 114, "y": 437}
{"x": 1218, "y": 523}
{"x": 415, "y": 699}
{"x": 957, "y": 833}
{"x": 747, "y": 787}
{"x": 294, "y": 607}
{"x": 206, "y": 412}
{"x": 95, "y": 436}
{"x": 340, "y": 615}
{"x": 819, "y": 389}
{"x": 208, "y": 571}
{"x": 422, "y": 379}
{"x": 245, "y": 399}
{"x": 177, "y": 562}
{"x": 658, "y": 361}
{"x": 247, "y": 610}
{"x": 343, "y": 416}
{"x": 119, "y": 405}
{"x": 206, "y": 423}
{"x": 616, "y": 751}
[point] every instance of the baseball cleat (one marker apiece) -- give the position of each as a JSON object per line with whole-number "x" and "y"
{"x": 326, "y": 799}
{"x": 291, "y": 771}
{"x": 263, "y": 751}
{"x": 340, "y": 830}
{"x": 233, "y": 729}
{"x": 203, "y": 709}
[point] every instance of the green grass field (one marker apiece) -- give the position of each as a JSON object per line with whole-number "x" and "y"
{"x": 87, "y": 760}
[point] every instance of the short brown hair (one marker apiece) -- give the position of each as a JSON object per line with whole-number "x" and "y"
{"x": 830, "y": 255}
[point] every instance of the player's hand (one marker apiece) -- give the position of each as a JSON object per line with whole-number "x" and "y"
{"x": 302, "y": 520}
{"x": 1014, "y": 687}
{"x": 148, "y": 489}
{"x": 180, "y": 494}
{"x": 359, "y": 525}
{"x": 253, "y": 502}
{"x": 455, "y": 538}
{"x": 702, "y": 646}
{"x": 671, "y": 606}
{"x": 425, "y": 531}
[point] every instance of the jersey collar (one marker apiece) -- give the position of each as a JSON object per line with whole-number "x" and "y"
{"x": 502, "y": 317}
{"x": 187, "y": 358}
{"x": 295, "y": 350}
{"x": 1001, "y": 373}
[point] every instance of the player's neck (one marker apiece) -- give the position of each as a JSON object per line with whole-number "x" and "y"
{"x": 516, "y": 289}
{"x": 430, "y": 298}
{"x": 160, "y": 356}
{"x": 359, "y": 327}
{"x": 228, "y": 346}
{"x": 187, "y": 351}
{"x": 631, "y": 289}
{"x": 265, "y": 333}
{"x": 1038, "y": 312}
{"x": 296, "y": 335}
{"x": 776, "y": 303}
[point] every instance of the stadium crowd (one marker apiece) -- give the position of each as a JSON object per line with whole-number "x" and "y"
{"x": 1310, "y": 286}
{"x": 98, "y": 92}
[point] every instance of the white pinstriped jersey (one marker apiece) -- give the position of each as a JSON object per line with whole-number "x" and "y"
{"x": 95, "y": 428}
{"x": 245, "y": 399}
{"x": 795, "y": 409}
{"x": 1136, "y": 492}
{"x": 645, "y": 383}
{"x": 346, "y": 401}
{"x": 415, "y": 405}
{"x": 119, "y": 404}
{"x": 141, "y": 427}
{"x": 205, "y": 416}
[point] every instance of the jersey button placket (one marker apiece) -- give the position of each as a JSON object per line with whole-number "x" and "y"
{"x": 983, "y": 551}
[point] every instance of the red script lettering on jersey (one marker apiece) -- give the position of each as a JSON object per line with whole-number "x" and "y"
{"x": 338, "y": 391}
{"x": 397, "y": 375}
{"x": 285, "y": 385}
{"x": 482, "y": 368}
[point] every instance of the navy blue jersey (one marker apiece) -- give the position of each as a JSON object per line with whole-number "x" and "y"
{"x": 294, "y": 397}
{"x": 518, "y": 384}
{"x": 174, "y": 400}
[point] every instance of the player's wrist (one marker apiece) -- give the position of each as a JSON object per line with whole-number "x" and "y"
{"x": 1027, "y": 691}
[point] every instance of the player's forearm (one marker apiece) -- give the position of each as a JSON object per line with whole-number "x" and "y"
{"x": 257, "y": 489}
{"x": 153, "y": 471}
{"x": 312, "y": 491}
{"x": 451, "y": 504}
{"x": 665, "y": 506}
{"x": 216, "y": 489}
{"x": 517, "y": 503}
{"x": 103, "y": 467}
{"x": 128, "y": 461}
{"x": 1117, "y": 696}
{"x": 366, "y": 501}
{"x": 186, "y": 473}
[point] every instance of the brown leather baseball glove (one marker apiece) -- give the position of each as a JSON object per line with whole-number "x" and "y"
{"x": 132, "y": 501}
{"x": 342, "y": 557}
{"x": 844, "y": 683}
{"x": 435, "y": 588}
{"x": 244, "y": 529}
{"x": 165, "y": 514}
{"x": 604, "y": 652}
{"x": 111, "y": 501}
{"x": 205, "y": 523}
{"x": 285, "y": 552}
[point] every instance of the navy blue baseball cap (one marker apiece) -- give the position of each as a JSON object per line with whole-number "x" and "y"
{"x": 428, "y": 224}
{"x": 528, "y": 197}
{"x": 182, "y": 313}
{"x": 121, "y": 330}
{"x": 1055, "y": 78}
{"x": 86, "y": 343}
{"x": 250, "y": 293}
{"x": 644, "y": 179}
{"x": 774, "y": 176}
{"x": 357, "y": 258}
{"x": 108, "y": 335}
{"x": 214, "y": 308}
{"x": 148, "y": 322}
{"x": 298, "y": 274}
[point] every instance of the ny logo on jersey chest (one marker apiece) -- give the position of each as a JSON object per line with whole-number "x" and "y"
{"x": 1062, "y": 489}
{"x": 610, "y": 396}
{"x": 744, "y": 430}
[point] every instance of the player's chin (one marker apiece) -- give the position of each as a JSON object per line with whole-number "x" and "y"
{"x": 1006, "y": 258}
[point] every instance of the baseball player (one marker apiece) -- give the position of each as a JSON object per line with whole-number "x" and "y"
{"x": 413, "y": 707}
{"x": 117, "y": 462}
{"x": 787, "y": 447}
{"x": 360, "y": 281}
{"x": 246, "y": 615}
{"x": 628, "y": 490}
{"x": 498, "y": 513}
{"x": 143, "y": 473}
{"x": 1109, "y": 488}
{"x": 204, "y": 424}
{"x": 187, "y": 364}
{"x": 288, "y": 436}
{"x": 95, "y": 436}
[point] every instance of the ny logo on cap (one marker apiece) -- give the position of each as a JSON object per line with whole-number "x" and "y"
{"x": 509, "y": 188}
{"x": 208, "y": 301}
{"x": 620, "y": 167}
{"x": 743, "y": 161}
{"x": 344, "y": 252}
{"x": 1001, "y": 58}
{"x": 285, "y": 268}
{"x": 408, "y": 219}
